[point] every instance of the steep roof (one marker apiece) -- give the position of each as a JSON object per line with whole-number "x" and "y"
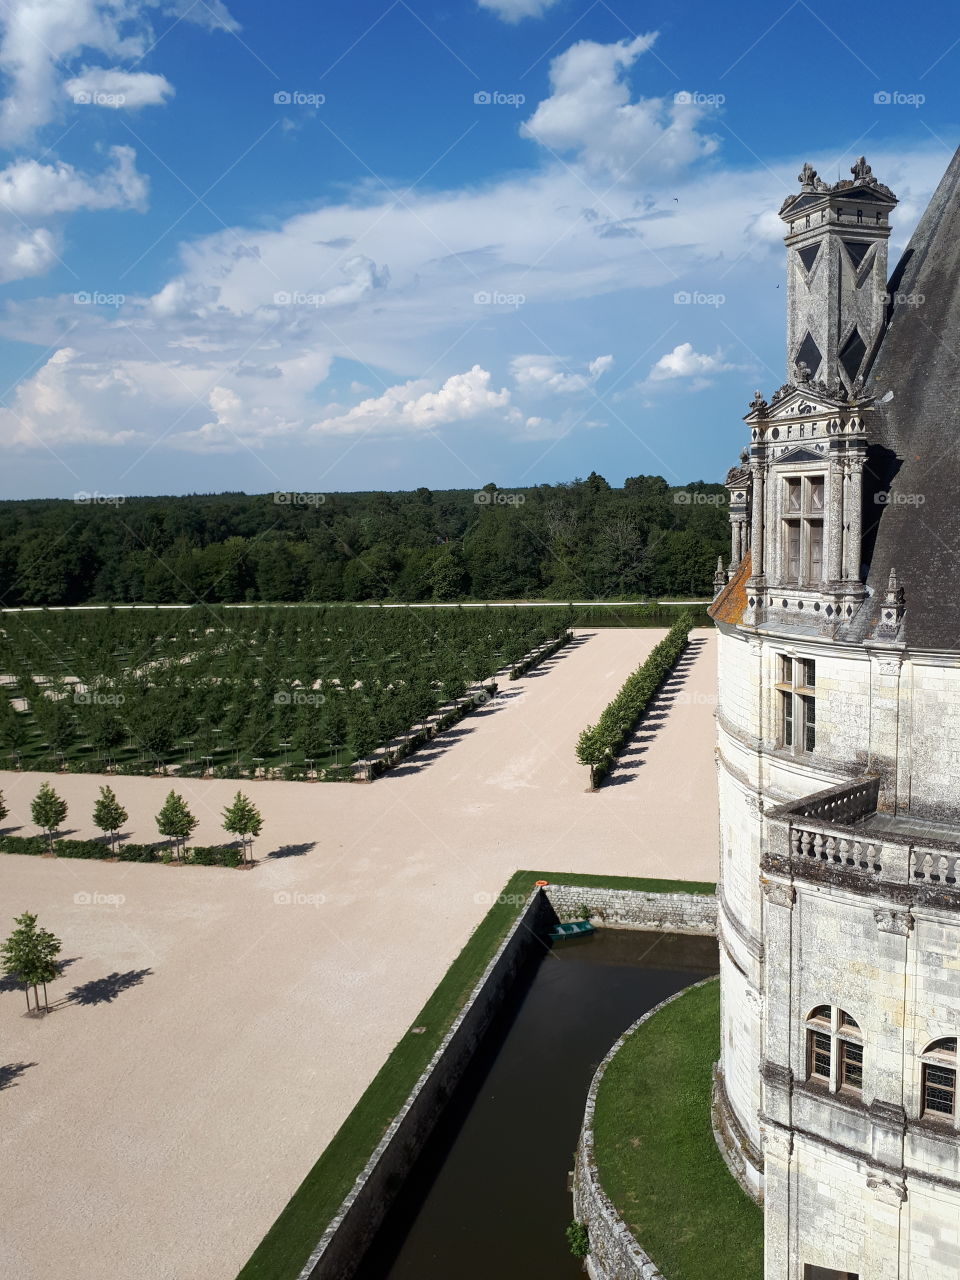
{"x": 730, "y": 604}
{"x": 916, "y": 460}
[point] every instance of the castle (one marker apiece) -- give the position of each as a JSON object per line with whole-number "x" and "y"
{"x": 835, "y": 1097}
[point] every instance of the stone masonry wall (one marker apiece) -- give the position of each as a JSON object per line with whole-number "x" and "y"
{"x": 614, "y": 1253}
{"x": 628, "y": 909}
{"x": 342, "y": 1245}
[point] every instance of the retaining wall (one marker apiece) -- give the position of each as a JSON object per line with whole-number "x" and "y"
{"x": 628, "y": 909}
{"x": 614, "y": 1252}
{"x": 342, "y": 1245}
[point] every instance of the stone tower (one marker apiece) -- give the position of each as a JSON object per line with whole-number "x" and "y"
{"x": 838, "y": 756}
{"x": 836, "y": 273}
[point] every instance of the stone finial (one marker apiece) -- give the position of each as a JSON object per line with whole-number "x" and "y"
{"x": 862, "y": 173}
{"x": 892, "y": 609}
{"x": 803, "y": 372}
{"x": 758, "y": 405}
{"x": 807, "y": 177}
{"x": 719, "y": 578}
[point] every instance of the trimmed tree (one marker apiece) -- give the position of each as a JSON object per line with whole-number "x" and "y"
{"x": 30, "y": 956}
{"x": 109, "y": 815}
{"x": 48, "y": 811}
{"x": 242, "y": 818}
{"x": 176, "y": 821}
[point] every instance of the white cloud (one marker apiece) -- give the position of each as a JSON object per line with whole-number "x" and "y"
{"x": 102, "y": 87}
{"x": 590, "y": 114}
{"x": 29, "y": 189}
{"x": 546, "y": 375}
{"x": 515, "y": 10}
{"x": 40, "y": 38}
{"x": 409, "y": 407}
{"x": 684, "y": 362}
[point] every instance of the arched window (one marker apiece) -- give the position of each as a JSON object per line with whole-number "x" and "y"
{"x": 939, "y": 1085}
{"x": 834, "y": 1049}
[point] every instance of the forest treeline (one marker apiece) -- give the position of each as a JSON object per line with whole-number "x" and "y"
{"x": 579, "y": 540}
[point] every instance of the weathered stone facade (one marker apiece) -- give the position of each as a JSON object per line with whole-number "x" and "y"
{"x": 839, "y": 898}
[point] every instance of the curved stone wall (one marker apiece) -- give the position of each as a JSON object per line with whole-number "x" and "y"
{"x": 614, "y": 1252}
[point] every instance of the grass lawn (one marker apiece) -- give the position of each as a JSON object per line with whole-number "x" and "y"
{"x": 290, "y": 1241}
{"x": 656, "y": 1155}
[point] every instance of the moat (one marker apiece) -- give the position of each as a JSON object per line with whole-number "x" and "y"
{"x": 489, "y": 1195}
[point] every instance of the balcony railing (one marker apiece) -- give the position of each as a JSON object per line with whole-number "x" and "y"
{"x": 831, "y": 829}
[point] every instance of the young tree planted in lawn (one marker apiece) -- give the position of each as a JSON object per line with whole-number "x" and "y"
{"x": 29, "y": 955}
{"x": 176, "y": 821}
{"x": 242, "y": 818}
{"x": 109, "y": 815}
{"x": 48, "y": 811}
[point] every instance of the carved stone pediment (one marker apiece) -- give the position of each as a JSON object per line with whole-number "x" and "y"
{"x": 800, "y": 455}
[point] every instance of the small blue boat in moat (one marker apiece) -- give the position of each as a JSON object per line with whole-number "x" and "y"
{"x": 572, "y": 929}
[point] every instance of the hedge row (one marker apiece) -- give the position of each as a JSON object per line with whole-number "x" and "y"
{"x": 540, "y": 655}
{"x": 599, "y": 745}
{"x": 199, "y": 855}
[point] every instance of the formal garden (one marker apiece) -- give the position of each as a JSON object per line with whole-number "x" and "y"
{"x": 264, "y": 692}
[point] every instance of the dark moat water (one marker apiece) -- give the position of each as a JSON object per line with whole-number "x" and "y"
{"x": 489, "y": 1196}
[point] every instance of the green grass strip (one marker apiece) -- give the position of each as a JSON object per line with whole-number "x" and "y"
{"x": 292, "y": 1238}
{"x": 655, "y": 1151}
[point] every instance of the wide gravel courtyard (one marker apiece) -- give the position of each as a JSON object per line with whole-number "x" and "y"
{"x": 214, "y": 1027}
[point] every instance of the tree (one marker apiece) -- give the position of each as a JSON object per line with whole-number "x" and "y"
{"x": 48, "y": 811}
{"x": 242, "y": 818}
{"x": 176, "y": 821}
{"x": 3, "y": 807}
{"x": 29, "y": 955}
{"x": 109, "y": 815}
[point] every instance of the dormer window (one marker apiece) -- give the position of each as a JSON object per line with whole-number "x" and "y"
{"x": 803, "y": 507}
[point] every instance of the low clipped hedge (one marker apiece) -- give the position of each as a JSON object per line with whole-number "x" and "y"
{"x": 201, "y": 855}
{"x": 214, "y": 855}
{"x": 599, "y": 745}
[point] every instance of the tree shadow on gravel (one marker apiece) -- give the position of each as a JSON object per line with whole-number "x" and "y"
{"x": 628, "y": 763}
{"x": 105, "y": 990}
{"x": 293, "y": 850}
{"x": 11, "y": 1073}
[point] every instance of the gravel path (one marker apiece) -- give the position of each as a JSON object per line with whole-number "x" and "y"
{"x": 222, "y": 1024}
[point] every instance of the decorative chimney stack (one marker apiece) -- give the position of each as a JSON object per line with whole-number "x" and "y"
{"x": 836, "y": 274}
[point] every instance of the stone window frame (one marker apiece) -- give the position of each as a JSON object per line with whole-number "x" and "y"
{"x": 808, "y": 478}
{"x": 843, "y": 1034}
{"x": 939, "y": 1057}
{"x": 795, "y": 703}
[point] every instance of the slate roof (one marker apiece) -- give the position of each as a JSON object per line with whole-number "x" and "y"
{"x": 730, "y": 604}
{"x": 917, "y": 455}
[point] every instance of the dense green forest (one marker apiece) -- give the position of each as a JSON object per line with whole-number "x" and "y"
{"x": 579, "y": 540}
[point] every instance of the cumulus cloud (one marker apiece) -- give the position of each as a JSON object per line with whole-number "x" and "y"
{"x": 515, "y": 10}
{"x": 546, "y": 374}
{"x": 40, "y": 38}
{"x": 29, "y": 189}
{"x": 590, "y": 113}
{"x": 409, "y": 407}
{"x": 684, "y": 362}
{"x": 384, "y": 289}
{"x": 102, "y": 87}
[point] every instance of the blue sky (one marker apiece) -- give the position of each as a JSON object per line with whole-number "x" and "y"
{"x": 378, "y": 245}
